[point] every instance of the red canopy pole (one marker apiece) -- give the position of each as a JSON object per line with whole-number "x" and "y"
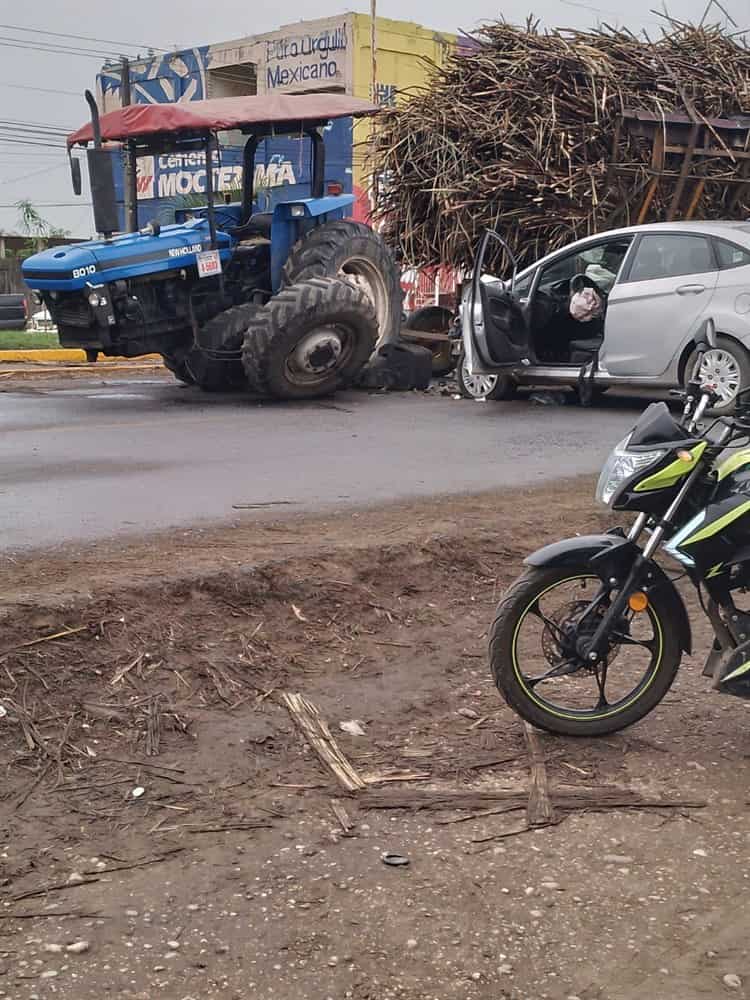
{"x": 131, "y": 168}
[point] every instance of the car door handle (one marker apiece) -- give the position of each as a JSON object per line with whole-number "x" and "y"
{"x": 691, "y": 289}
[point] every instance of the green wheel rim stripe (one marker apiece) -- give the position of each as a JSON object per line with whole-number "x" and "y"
{"x": 582, "y": 716}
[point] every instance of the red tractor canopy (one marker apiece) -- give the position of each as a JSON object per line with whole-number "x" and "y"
{"x": 198, "y": 118}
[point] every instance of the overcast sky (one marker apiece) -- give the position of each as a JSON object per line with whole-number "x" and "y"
{"x": 41, "y": 174}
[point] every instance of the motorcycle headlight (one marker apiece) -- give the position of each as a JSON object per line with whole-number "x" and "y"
{"x": 621, "y": 466}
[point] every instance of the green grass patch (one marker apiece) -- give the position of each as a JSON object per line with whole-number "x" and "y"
{"x": 19, "y": 340}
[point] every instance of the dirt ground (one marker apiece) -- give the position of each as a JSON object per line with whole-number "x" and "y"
{"x": 166, "y": 831}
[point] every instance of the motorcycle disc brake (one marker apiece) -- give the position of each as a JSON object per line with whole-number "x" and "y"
{"x": 568, "y": 617}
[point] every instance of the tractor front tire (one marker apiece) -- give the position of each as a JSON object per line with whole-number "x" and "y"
{"x": 178, "y": 368}
{"x": 353, "y": 251}
{"x": 309, "y": 340}
{"x": 224, "y": 332}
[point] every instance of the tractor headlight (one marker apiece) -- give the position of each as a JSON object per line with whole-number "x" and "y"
{"x": 297, "y": 211}
{"x": 95, "y": 300}
{"x": 621, "y": 466}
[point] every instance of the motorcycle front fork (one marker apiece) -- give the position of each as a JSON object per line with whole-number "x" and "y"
{"x": 597, "y": 648}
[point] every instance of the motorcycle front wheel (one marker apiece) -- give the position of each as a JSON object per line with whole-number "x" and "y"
{"x": 534, "y": 647}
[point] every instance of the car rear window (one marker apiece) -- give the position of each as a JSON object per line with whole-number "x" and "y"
{"x": 730, "y": 255}
{"x": 670, "y": 255}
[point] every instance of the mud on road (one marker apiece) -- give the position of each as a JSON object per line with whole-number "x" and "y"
{"x": 162, "y": 814}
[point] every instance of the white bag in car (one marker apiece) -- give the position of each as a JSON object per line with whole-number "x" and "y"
{"x": 586, "y": 305}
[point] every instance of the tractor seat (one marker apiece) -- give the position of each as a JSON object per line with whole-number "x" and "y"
{"x": 256, "y": 225}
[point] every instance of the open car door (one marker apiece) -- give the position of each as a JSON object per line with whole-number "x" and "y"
{"x": 495, "y": 328}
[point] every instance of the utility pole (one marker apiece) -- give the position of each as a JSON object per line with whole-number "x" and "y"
{"x": 131, "y": 174}
{"x": 374, "y": 82}
{"x": 374, "y": 50}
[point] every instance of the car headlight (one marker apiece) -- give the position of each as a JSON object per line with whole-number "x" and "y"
{"x": 621, "y": 466}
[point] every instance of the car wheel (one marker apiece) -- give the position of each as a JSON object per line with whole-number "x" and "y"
{"x": 727, "y": 367}
{"x": 475, "y": 386}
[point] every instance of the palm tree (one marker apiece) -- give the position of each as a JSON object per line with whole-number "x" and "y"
{"x": 33, "y": 225}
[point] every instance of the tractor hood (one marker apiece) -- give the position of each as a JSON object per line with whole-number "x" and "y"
{"x": 131, "y": 255}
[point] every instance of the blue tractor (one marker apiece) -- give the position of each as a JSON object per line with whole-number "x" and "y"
{"x": 289, "y": 303}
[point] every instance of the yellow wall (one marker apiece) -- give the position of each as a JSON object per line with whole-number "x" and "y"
{"x": 401, "y": 47}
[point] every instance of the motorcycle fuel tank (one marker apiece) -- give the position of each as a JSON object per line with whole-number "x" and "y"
{"x": 719, "y": 534}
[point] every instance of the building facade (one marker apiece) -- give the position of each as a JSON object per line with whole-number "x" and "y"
{"x": 331, "y": 54}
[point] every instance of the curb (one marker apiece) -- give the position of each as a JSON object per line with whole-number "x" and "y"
{"x": 67, "y": 355}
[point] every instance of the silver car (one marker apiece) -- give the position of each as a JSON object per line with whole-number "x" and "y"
{"x": 654, "y": 284}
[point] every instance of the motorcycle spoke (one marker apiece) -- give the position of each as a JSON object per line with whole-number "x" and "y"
{"x": 628, "y": 640}
{"x": 554, "y": 628}
{"x": 568, "y": 666}
{"x": 601, "y": 681}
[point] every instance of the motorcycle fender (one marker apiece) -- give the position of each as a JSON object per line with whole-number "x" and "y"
{"x": 611, "y": 555}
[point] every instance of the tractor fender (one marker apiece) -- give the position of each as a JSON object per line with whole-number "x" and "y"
{"x": 612, "y": 555}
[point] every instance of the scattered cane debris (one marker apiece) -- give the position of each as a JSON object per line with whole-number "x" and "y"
{"x": 315, "y": 730}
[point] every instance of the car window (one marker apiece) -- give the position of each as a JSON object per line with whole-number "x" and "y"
{"x": 601, "y": 263}
{"x": 669, "y": 255}
{"x": 730, "y": 255}
{"x": 524, "y": 284}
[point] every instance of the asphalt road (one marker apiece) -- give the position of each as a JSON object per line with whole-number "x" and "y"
{"x": 85, "y": 460}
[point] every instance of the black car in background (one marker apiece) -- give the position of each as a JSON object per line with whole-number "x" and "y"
{"x": 13, "y": 312}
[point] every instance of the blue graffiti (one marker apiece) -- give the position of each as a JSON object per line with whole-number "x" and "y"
{"x": 385, "y": 95}
{"x": 177, "y": 76}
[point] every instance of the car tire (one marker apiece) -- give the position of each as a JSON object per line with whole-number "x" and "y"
{"x": 728, "y": 364}
{"x": 483, "y": 386}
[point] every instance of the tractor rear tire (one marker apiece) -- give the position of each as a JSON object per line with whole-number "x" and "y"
{"x": 351, "y": 250}
{"x": 309, "y": 340}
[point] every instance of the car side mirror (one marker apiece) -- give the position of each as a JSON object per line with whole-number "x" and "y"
{"x": 75, "y": 175}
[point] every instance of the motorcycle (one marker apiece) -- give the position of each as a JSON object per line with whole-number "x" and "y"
{"x": 590, "y": 638}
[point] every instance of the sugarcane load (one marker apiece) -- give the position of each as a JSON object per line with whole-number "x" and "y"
{"x": 549, "y": 137}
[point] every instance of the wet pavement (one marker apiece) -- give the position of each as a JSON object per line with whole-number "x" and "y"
{"x": 93, "y": 458}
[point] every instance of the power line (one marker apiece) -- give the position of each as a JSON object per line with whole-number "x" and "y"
{"x": 29, "y": 124}
{"x": 49, "y": 131}
{"x": 31, "y": 142}
{"x": 41, "y": 90}
{"x": 32, "y": 135}
{"x": 52, "y": 204}
{"x": 68, "y": 50}
{"x": 81, "y": 38}
{"x": 5, "y": 153}
{"x": 36, "y": 173}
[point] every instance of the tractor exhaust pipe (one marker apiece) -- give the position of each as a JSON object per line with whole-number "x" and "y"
{"x": 101, "y": 177}
{"x": 95, "y": 126}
